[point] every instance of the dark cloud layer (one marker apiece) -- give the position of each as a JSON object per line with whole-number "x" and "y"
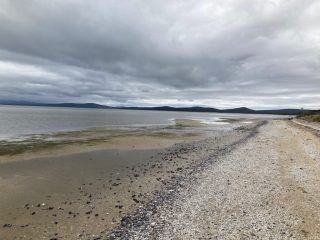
{"x": 260, "y": 54}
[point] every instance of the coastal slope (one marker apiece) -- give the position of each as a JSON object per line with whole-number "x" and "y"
{"x": 265, "y": 188}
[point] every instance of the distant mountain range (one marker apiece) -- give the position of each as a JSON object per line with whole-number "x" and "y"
{"x": 163, "y": 108}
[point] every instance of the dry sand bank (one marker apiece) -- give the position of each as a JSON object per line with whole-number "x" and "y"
{"x": 86, "y": 194}
{"x": 264, "y": 188}
{"x": 312, "y": 125}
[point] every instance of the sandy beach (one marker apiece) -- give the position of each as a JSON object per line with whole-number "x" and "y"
{"x": 71, "y": 186}
{"x": 256, "y": 181}
{"x": 160, "y": 120}
{"x": 265, "y": 187}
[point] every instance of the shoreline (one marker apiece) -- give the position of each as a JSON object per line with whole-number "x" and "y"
{"x": 66, "y": 143}
{"x": 252, "y": 181}
{"x": 264, "y": 187}
{"x": 79, "y": 190}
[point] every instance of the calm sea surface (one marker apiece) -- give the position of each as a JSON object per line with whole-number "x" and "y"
{"x": 17, "y": 121}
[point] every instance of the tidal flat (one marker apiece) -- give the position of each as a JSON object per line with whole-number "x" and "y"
{"x": 45, "y": 145}
{"x": 84, "y": 194}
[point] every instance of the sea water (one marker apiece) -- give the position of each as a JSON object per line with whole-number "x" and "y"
{"x": 20, "y": 121}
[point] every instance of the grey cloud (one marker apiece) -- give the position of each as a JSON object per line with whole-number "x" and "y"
{"x": 254, "y": 53}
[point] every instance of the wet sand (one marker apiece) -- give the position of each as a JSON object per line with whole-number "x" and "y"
{"x": 96, "y": 139}
{"x": 85, "y": 195}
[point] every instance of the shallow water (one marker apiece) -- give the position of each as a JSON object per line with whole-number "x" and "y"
{"x": 19, "y": 121}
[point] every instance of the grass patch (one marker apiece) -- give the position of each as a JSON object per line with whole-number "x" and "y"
{"x": 313, "y": 116}
{"x": 316, "y": 118}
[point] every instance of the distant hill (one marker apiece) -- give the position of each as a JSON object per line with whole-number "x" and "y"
{"x": 162, "y": 108}
{"x": 232, "y": 110}
{"x": 182, "y": 109}
{"x": 285, "y": 111}
{"x": 78, "y": 105}
{"x": 72, "y": 105}
{"x": 21, "y": 103}
{"x": 239, "y": 110}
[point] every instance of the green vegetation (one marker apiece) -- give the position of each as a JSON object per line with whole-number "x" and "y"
{"x": 313, "y": 116}
{"x": 316, "y": 118}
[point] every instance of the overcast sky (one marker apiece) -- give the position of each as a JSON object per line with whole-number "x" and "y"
{"x": 219, "y": 53}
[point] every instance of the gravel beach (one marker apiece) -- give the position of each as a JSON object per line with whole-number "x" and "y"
{"x": 263, "y": 187}
{"x": 256, "y": 181}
